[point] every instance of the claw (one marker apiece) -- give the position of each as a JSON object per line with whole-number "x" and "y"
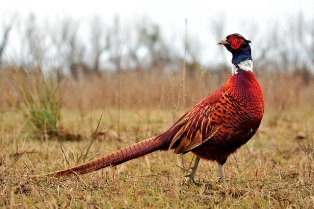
{"x": 191, "y": 176}
{"x": 190, "y": 179}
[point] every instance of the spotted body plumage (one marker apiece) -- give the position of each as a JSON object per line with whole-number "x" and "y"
{"x": 213, "y": 129}
{"x": 222, "y": 122}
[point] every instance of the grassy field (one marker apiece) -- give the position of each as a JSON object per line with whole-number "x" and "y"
{"x": 274, "y": 170}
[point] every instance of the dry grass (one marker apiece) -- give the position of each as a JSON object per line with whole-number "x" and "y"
{"x": 274, "y": 170}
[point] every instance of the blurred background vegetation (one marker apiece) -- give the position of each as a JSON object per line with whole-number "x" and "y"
{"x": 93, "y": 45}
{"x": 48, "y": 65}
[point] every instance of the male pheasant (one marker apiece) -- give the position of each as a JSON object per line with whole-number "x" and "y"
{"x": 213, "y": 129}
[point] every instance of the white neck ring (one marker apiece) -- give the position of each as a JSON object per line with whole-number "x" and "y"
{"x": 246, "y": 65}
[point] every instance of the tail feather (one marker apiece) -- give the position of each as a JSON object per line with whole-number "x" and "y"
{"x": 133, "y": 151}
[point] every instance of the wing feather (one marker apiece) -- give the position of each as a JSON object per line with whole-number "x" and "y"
{"x": 199, "y": 125}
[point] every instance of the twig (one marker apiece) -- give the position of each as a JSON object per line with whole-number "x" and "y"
{"x": 184, "y": 62}
{"x": 16, "y": 159}
{"x": 91, "y": 141}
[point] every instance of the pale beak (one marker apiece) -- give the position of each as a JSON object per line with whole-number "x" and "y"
{"x": 223, "y": 42}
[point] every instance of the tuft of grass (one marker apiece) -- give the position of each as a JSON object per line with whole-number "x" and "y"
{"x": 40, "y": 96}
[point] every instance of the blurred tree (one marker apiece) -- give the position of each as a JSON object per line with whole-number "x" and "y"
{"x": 98, "y": 42}
{"x": 152, "y": 41}
{"x": 70, "y": 49}
{"x": 32, "y": 47}
{"x": 5, "y": 37}
{"x": 217, "y": 28}
{"x": 310, "y": 45}
{"x": 194, "y": 51}
{"x": 115, "y": 43}
{"x": 61, "y": 33}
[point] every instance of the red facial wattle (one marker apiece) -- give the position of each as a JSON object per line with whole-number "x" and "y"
{"x": 235, "y": 41}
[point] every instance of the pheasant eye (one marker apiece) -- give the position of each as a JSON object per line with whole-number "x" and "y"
{"x": 235, "y": 40}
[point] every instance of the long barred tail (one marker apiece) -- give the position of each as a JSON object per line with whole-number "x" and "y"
{"x": 134, "y": 151}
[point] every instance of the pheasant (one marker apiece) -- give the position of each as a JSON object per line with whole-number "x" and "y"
{"x": 213, "y": 129}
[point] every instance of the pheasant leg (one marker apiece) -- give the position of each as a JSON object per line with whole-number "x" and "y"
{"x": 222, "y": 175}
{"x": 194, "y": 168}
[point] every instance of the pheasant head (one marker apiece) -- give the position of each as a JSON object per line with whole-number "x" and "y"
{"x": 238, "y": 46}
